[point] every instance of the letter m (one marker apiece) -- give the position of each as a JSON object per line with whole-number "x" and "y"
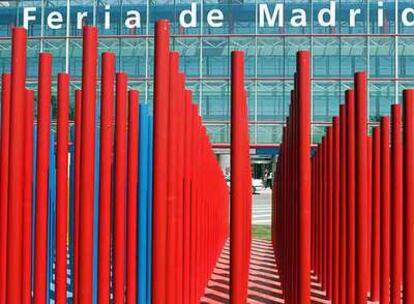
{"x": 264, "y": 15}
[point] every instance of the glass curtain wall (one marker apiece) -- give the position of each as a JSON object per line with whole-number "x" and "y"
{"x": 386, "y": 52}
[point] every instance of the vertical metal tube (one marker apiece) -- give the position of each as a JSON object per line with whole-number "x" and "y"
{"x": 105, "y": 177}
{"x": 397, "y": 206}
{"x": 27, "y": 199}
{"x": 238, "y": 282}
{"x": 172, "y": 199}
{"x": 87, "y": 193}
{"x": 144, "y": 208}
{"x": 62, "y": 187}
{"x": 350, "y": 123}
{"x": 187, "y": 197}
{"x": 76, "y": 199}
{"x": 361, "y": 198}
{"x": 369, "y": 211}
{"x": 132, "y": 194}
{"x": 376, "y": 214}
{"x": 408, "y": 96}
{"x": 385, "y": 210}
{"x": 120, "y": 188}
{"x": 4, "y": 179}
{"x": 161, "y": 83}
{"x": 15, "y": 205}
{"x": 180, "y": 177}
{"x": 329, "y": 202}
{"x": 304, "y": 93}
{"x": 342, "y": 209}
{"x": 42, "y": 176}
{"x": 336, "y": 206}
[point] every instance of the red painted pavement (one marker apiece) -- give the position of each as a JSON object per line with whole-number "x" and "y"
{"x": 264, "y": 280}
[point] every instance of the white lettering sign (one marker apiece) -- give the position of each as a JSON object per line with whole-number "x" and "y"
{"x": 269, "y": 15}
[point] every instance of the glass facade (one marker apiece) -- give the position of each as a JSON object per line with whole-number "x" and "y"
{"x": 385, "y": 51}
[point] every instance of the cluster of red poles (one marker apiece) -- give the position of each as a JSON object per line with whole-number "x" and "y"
{"x": 345, "y": 212}
{"x": 291, "y": 196}
{"x": 241, "y": 193}
{"x": 361, "y": 202}
{"x": 99, "y": 210}
{"x": 190, "y": 207}
{"x": 118, "y": 158}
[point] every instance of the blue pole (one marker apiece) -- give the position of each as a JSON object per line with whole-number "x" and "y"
{"x": 142, "y": 207}
{"x": 51, "y": 217}
{"x": 149, "y": 242}
{"x": 96, "y": 217}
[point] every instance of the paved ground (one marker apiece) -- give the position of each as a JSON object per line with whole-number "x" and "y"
{"x": 262, "y": 208}
{"x": 264, "y": 281}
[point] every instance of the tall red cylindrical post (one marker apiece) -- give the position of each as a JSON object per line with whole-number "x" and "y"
{"x": 42, "y": 176}
{"x": 76, "y": 198}
{"x": 369, "y": 211}
{"x": 304, "y": 141}
{"x": 161, "y": 83}
{"x": 329, "y": 210}
{"x": 4, "y": 179}
{"x": 132, "y": 194}
{"x": 87, "y": 193}
{"x": 376, "y": 214}
{"x": 15, "y": 205}
{"x": 27, "y": 199}
{"x": 385, "y": 211}
{"x": 342, "y": 209}
{"x": 350, "y": 123}
{"x": 120, "y": 187}
{"x": 172, "y": 181}
{"x": 62, "y": 187}
{"x": 180, "y": 177}
{"x": 238, "y": 283}
{"x": 397, "y": 206}
{"x": 408, "y": 196}
{"x": 187, "y": 195}
{"x": 361, "y": 197}
{"x": 336, "y": 207}
{"x": 105, "y": 177}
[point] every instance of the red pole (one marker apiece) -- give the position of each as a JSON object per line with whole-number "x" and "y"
{"x": 120, "y": 187}
{"x": 304, "y": 93}
{"x": 237, "y": 263}
{"x": 76, "y": 199}
{"x": 408, "y": 196}
{"x": 361, "y": 198}
{"x": 42, "y": 176}
{"x": 397, "y": 206}
{"x": 187, "y": 197}
{"x": 4, "y": 179}
{"x": 62, "y": 186}
{"x": 350, "y": 122}
{"x": 369, "y": 211}
{"x": 336, "y": 206}
{"x": 342, "y": 209}
{"x": 87, "y": 169}
{"x": 105, "y": 177}
{"x": 132, "y": 207}
{"x": 172, "y": 180}
{"x": 325, "y": 212}
{"x": 194, "y": 187}
{"x": 329, "y": 280}
{"x": 27, "y": 200}
{"x": 376, "y": 215}
{"x": 385, "y": 210}
{"x": 161, "y": 84}
{"x": 17, "y": 111}
{"x": 180, "y": 177}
